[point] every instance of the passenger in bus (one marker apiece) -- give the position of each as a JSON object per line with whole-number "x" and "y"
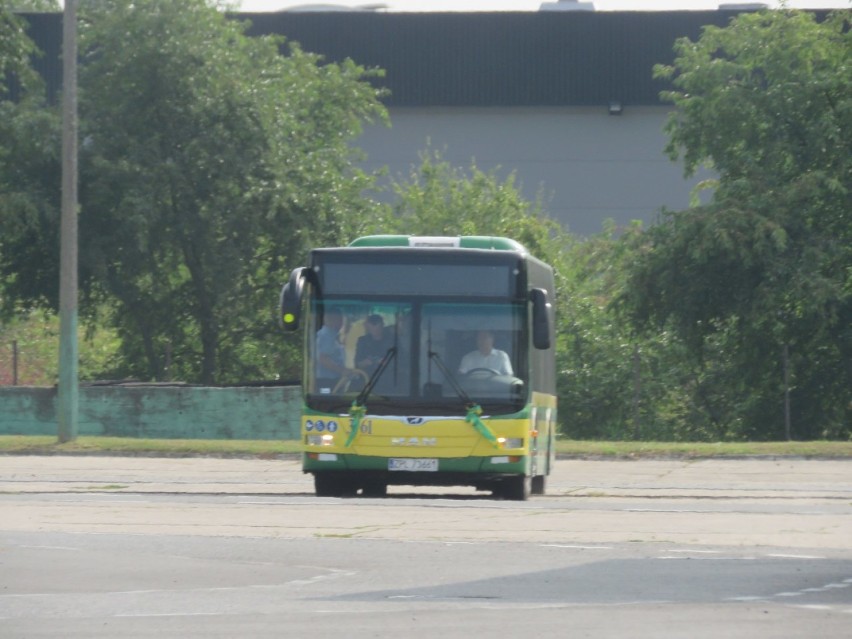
{"x": 372, "y": 347}
{"x": 486, "y": 356}
{"x": 331, "y": 355}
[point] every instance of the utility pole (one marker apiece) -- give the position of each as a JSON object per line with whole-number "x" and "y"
{"x": 14, "y": 362}
{"x": 788, "y": 428}
{"x": 637, "y": 393}
{"x": 68, "y": 400}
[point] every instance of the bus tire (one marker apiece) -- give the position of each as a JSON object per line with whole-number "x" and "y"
{"x": 375, "y": 489}
{"x": 516, "y": 488}
{"x": 332, "y": 484}
{"x": 538, "y": 485}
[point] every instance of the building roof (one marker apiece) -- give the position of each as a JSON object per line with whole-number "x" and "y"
{"x": 502, "y": 58}
{"x": 506, "y": 59}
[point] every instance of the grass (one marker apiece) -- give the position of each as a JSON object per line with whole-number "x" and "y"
{"x": 637, "y": 450}
{"x": 48, "y": 444}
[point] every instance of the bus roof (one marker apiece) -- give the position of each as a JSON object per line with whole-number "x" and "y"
{"x": 458, "y": 241}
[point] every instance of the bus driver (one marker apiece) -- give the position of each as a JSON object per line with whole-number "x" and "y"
{"x": 486, "y": 356}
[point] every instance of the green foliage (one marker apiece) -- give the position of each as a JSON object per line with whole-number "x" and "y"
{"x": 35, "y": 335}
{"x": 767, "y": 102}
{"x": 29, "y": 205}
{"x": 595, "y": 354}
{"x": 43, "y": 6}
{"x": 775, "y": 86}
{"x": 210, "y": 163}
{"x": 29, "y": 177}
{"x": 16, "y": 50}
{"x": 439, "y": 199}
{"x": 33, "y": 338}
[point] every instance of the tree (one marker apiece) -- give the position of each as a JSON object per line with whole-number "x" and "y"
{"x": 15, "y": 50}
{"x": 29, "y": 171}
{"x": 210, "y": 163}
{"x": 45, "y": 6}
{"x": 30, "y": 174}
{"x": 439, "y": 199}
{"x": 766, "y": 267}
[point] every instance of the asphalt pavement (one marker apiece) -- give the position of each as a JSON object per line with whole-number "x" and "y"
{"x": 772, "y": 502}
{"x": 105, "y": 547}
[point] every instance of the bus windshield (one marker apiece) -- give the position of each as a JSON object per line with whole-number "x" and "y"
{"x": 436, "y": 356}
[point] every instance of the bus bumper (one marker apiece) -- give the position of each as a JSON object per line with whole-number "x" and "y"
{"x": 447, "y": 471}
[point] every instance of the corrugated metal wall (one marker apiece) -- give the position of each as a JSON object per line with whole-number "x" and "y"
{"x": 500, "y": 59}
{"x": 475, "y": 59}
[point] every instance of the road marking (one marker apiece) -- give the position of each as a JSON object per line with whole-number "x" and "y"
{"x": 169, "y": 614}
{"x": 746, "y": 598}
{"x": 665, "y": 510}
{"x": 846, "y": 583}
{"x": 716, "y": 558}
{"x": 824, "y": 607}
{"x": 331, "y": 574}
{"x": 576, "y": 546}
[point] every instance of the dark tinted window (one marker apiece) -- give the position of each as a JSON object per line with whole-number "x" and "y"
{"x": 418, "y": 279}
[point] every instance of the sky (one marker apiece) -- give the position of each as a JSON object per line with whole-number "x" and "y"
{"x": 530, "y": 5}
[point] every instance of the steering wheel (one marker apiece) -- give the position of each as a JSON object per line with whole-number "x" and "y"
{"x": 346, "y": 380}
{"x": 491, "y": 372}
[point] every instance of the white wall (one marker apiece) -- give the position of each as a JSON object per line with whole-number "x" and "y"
{"x": 589, "y": 165}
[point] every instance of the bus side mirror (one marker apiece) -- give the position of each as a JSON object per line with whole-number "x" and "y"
{"x": 541, "y": 312}
{"x": 291, "y": 298}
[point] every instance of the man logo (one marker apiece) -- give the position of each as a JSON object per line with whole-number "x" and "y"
{"x": 414, "y": 420}
{"x": 414, "y": 441}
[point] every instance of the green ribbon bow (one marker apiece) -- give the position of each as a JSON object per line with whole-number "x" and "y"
{"x": 472, "y": 417}
{"x": 357, "y": 413}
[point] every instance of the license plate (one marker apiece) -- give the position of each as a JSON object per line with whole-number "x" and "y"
{"x": 414, "y": 465}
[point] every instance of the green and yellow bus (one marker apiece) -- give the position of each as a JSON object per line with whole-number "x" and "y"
{"x": 428, "y": 361}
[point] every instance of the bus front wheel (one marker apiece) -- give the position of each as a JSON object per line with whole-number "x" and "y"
{"x": 516, "y": 488}
{"x": 375, "y": 488}
{"x": 330, "y": 484}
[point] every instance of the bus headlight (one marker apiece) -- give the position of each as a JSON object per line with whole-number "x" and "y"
{"x": 511, "y": 442}
{"x": 320, "y": 440}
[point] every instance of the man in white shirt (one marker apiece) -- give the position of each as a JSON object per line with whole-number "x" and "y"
{"x": 486, "y": 356}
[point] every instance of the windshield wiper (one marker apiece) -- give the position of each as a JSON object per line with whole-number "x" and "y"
{"x": 468, "y": 402}
{"x": 358, "y": 409}
{"x": 473, "y": 409}
{"x": 374, "y": 378}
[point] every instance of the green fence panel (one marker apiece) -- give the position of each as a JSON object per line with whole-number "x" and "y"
{"x": 159, "y": 412}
